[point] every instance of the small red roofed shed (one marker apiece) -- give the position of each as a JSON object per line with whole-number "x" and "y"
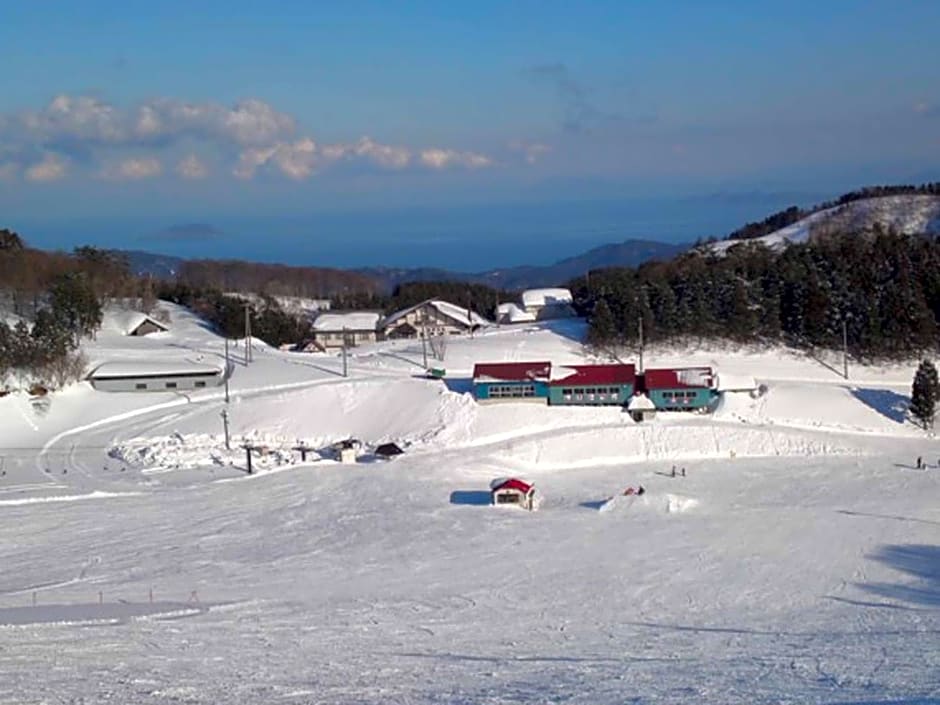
{"x": 513, "y": 492}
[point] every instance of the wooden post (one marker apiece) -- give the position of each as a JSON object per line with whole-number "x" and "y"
{"x": 345, "y": 361}
{"x": 248, "y": 448}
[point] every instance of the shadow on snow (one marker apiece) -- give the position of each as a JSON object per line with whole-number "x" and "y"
{"x": 920, "y": 563}
{"x": 889, "y": 404}
{"x": 475, "y": 498}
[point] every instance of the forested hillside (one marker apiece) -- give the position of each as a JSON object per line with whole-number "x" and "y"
{"x": 884, "y": 286}
{"x": 793, "y": 214}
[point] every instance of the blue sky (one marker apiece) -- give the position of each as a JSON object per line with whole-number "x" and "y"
{"x": 136, "y": 116}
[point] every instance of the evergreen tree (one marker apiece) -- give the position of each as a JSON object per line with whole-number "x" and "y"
{"x": 74, "y": 303}
{"x": 924, "y": 394}
{"x": 602, "y": 330}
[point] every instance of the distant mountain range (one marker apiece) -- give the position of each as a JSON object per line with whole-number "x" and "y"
{"x": 630, "y": 253}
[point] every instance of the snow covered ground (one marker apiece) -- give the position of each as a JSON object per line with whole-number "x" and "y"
{"x": 798, "y": 561}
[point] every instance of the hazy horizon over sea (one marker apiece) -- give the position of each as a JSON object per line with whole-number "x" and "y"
{"x": 463, "y": 238}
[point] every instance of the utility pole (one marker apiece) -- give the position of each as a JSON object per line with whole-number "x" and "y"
{"x": 845, "y": 349}
{"x": 247, "y": 333}
{"x": 424, "y": 341}
{"x": 640, "y": 327}
{"x": 226, "y": 373}
{"x": 228, "y": 445}
{"x": 345, "y": 342}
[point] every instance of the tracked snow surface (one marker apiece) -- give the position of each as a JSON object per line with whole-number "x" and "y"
{"x": 797, "y": 561}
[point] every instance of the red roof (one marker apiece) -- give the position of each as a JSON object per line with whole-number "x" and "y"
{"x": 678, "y": 378}
{"x": 595, "y": 374}
{"x": 512, "y": 371}
{"x": 514, "y": 483}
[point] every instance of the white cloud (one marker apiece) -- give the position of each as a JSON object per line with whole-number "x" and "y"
{"x": 83, "y": 121}
{"x": 296, "y": 160}
{"x": 93, "y": 134}
{"x": 385, "y": 155}
{"x": 444, "y": 158}
{"x": 51, "y": 168}
{"x": 133, "y": 169}
{"x": 192, "y": 167}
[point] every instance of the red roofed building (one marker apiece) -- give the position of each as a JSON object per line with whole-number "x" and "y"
{"x": 513, "y": 491}
{"x": 512, "y": 381}
{"x": 592, "y": 385}
{"x": 678, "y": 389}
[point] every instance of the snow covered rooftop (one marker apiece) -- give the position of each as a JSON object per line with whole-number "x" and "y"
{"x": 511, "y": 371}
{"x": 546, "y": 297}
{"x": 593, "y": 374}
{"x": 641, "y": 402}
{"x": 126, "y": 321}
{"x": 353, "y": 321}
{"x": 511, "y": 313}
{"x": 677, "y": 378}
{"x": 456, "y": 313}
{"x": 151, "y": 368}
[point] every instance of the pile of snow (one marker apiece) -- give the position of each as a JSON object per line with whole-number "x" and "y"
{"x": 667, "y": 503}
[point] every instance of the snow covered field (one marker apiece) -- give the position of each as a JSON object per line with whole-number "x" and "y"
{"x": 798, "y": 561}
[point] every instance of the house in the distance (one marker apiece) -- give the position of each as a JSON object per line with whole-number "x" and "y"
{"x": 339, "y": 329}
{"x": 513, "y": 313}
{"x": 429, "y": 318}
{"x": 548, "y": 303}
{"x": 132, "y": 323}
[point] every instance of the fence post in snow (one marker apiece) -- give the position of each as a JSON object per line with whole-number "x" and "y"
{"x": 248, "y": 448}
{"x": 225, "y": 426}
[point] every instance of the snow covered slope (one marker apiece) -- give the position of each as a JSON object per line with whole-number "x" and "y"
{"x": 796, "y": 561}
{"x": 910, "y": 214}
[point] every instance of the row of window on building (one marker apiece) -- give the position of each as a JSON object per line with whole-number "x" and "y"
{"x": 512, "y": 391}
{"x": 142, "y": 386}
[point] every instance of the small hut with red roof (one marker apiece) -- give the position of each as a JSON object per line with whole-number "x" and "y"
{"x": 511, "y": 491}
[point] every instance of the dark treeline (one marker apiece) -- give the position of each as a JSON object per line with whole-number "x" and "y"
{"x": 885, "y": 286}
{"x": 57, "y": 301}
{"x": 226, "y": 313}
{"x": 479, "y": 298}
{"x": 793, "y": 214}
{"x": 273, "y": 279}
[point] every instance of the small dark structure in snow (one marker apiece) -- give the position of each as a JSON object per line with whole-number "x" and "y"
{"x": 347, "y": 451}
{"x": 387, "y": 451}
{"x": 515, "y": 492}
